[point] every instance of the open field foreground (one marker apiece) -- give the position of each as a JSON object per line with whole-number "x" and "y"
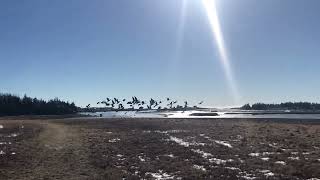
{"x": 159, "y": 149}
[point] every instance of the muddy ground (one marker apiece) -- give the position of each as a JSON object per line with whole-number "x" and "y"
{"x": 159, "y": 149}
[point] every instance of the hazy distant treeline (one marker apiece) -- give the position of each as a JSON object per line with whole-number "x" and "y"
{"x": 15, "y": 105}
{"x": 283, "y": 106}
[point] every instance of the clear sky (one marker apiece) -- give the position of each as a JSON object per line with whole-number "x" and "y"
{"x": 87, "y": 50}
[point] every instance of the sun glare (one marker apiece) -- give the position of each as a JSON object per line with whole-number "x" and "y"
{"x": 211, "y": 11}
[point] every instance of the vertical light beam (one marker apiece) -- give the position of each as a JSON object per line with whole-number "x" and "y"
{"x": 214, "y": 21}
{"x": 180, "y": 30}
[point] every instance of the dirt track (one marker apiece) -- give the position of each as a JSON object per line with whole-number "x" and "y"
{"x": 159, "y": 148}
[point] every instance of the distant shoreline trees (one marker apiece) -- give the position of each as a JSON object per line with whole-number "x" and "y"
{"x": 283, "y": 106}
{"x": 14, "y": 105}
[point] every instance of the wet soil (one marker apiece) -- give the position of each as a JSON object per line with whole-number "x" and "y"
{"x": 89, "y": 148}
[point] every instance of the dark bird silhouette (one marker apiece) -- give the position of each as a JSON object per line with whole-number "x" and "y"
{"x": 88, "y": 106}
{"x": 185, "y": 104}
{"x": 170, "y": 105}
{"x": 201, "y": 102}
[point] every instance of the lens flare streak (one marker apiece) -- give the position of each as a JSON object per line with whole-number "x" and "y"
{"x": 214, "y": 21}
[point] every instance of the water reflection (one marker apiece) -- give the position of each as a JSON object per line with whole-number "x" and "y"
{"x": 203, "y": 114}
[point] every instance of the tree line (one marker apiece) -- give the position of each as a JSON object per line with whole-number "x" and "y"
{"x": 283, "y": 106}
{"x": 15, "y": 105}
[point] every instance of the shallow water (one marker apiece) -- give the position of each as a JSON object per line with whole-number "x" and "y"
{"x": 186, "y": 114}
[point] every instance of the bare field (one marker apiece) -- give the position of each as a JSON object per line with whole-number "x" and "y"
{"x": 159, "y": 149}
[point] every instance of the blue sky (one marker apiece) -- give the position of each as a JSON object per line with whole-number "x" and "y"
{"x": 84, "y": 51}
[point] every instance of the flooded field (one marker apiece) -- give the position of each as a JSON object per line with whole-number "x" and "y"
{"x": 216, "y": 114}
{"x": 145, "y": 148}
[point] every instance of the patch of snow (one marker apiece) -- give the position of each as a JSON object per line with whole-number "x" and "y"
{"x": 202, "y": 153}
{"x": 170, "y": 131}
{"x": 119, "y": 155}
{"x": 254, "y": 154}
{"x": 233, "y": 168}
{"x": 160, "y": 175}
{"x": 265, "y": 159}
{"x": 109, "y": 132}
{"x": 146, "y": 131}
{"x": 313, "y": 179}
{"x": 13, "y": 135}
{"x": 2, "y": 152}
{"x": 306, "y": 153}
{"x": 1, "y": 126}
{"x": 114, "y": 140}
{"x": 210, "y": 157}
{"x": 294, "y": 153}
{"x": 274, "y": 145}
{"x": 202, "y": 135}
{"x": 199, "y": 167}
{"x": 4, "y": 143}
{"x": 170, "y": 155}
{"x": 13, "y": 153}
{"x": 181, "y": 142}
{"x": 280, "y": 162}
{"x": 220, "y": 161}
{"x": 267, "y": 173}
{"x": 294, "y": 158}
{"x": 223, "y": 143}
{"x": 267, "y": 153}
{"x": 141, "y": 159}
{"x": 247, "y": 176}
{"x": 161, "y": 132}
{"x": 177, "y": 131}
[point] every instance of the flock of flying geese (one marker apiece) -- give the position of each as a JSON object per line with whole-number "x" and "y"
{"x": 135, "y": 103}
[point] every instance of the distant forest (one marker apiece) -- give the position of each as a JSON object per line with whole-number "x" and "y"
{"x": 15, "y": 105}
{"x": 283, "y": 106}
